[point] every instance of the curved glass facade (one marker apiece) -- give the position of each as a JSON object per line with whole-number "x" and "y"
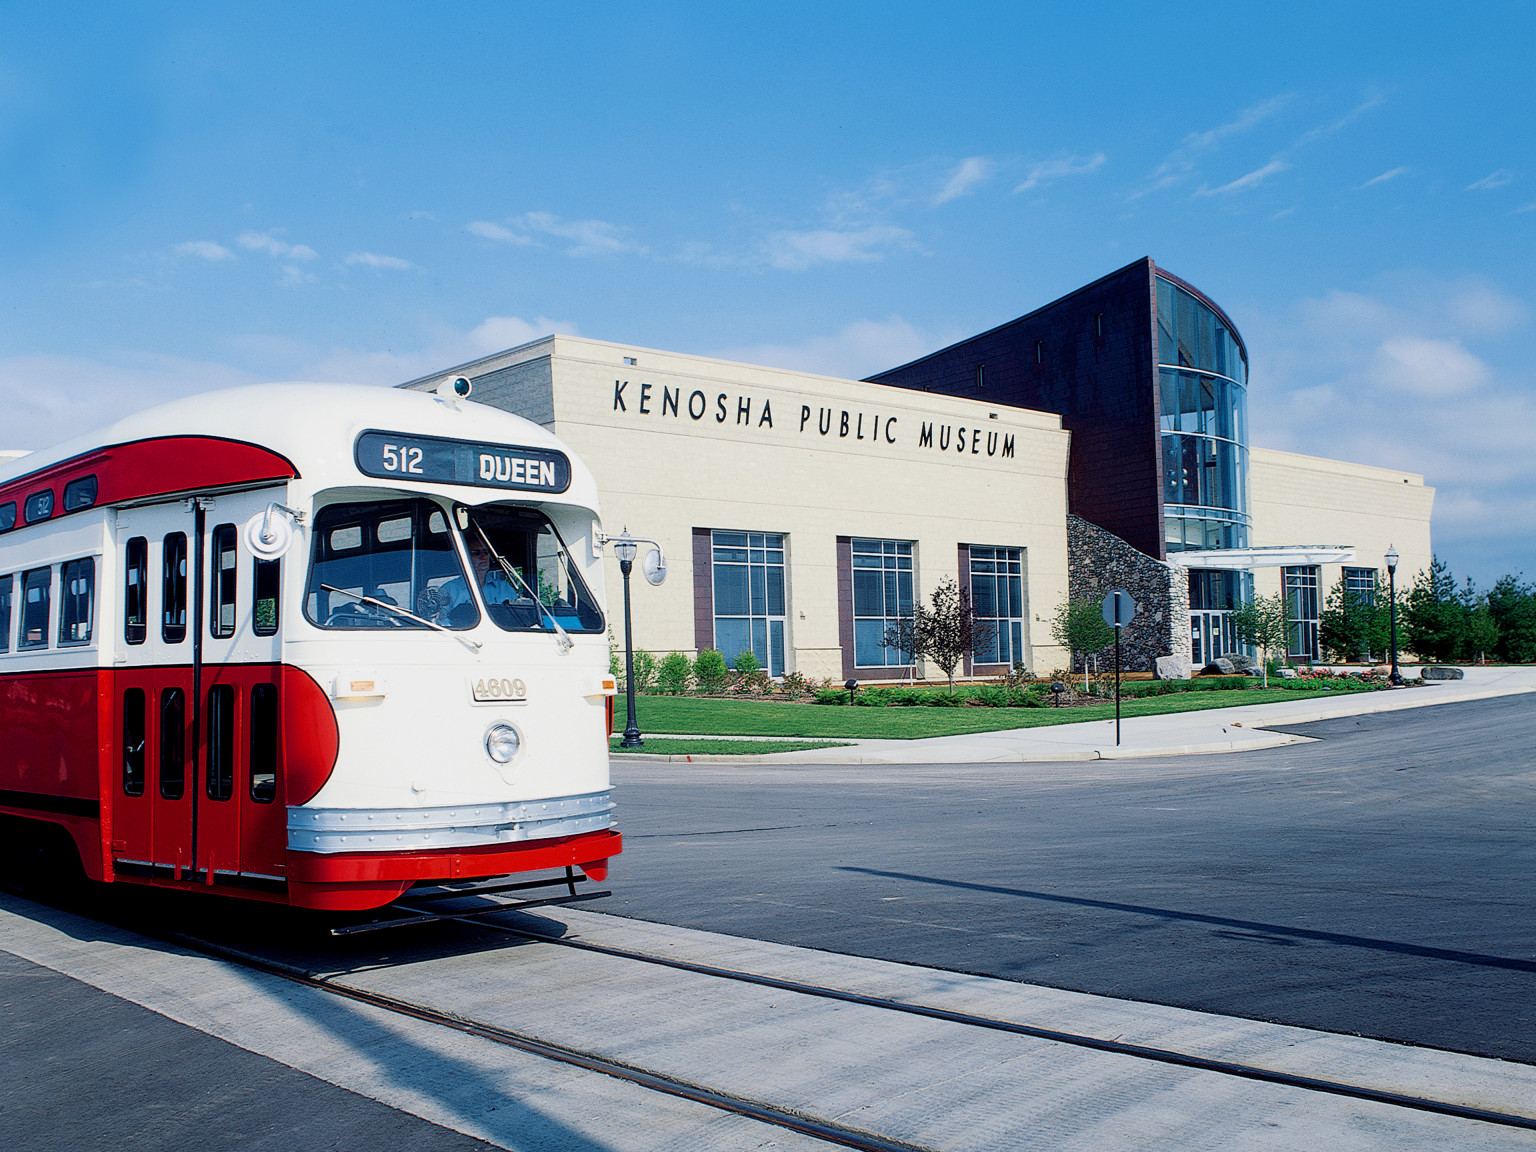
{"x": 1203, "y": 394}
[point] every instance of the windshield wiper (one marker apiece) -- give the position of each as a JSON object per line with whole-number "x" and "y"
{"x": 563, "y": 637}
{"x": 474, "y": 644}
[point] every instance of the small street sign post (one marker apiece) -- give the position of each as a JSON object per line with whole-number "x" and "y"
{"x": 1119, "y": 610}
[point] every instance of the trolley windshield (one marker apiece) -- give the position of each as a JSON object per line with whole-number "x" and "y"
{"x": 524, "y": 572}
{"x": 397, "y": 553}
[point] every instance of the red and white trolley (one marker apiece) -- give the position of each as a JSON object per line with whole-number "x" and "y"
{"x": 307, "y": 643}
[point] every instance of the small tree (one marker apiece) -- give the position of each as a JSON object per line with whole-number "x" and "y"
{"x": 673, "y": 675}
{"x": 943, "y": 632}
{"x": 1264, "y": 623}
{"x": 1435, "y": 618}
{"x": 1079, "y": 628}
{"x": 709, "y": 671}
{"x": 1513, "y": 608}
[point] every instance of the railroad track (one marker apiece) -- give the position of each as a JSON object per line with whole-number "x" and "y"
{"x": 825, "y": 1129}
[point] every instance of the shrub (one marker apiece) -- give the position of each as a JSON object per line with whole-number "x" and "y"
{"x": 794, "y": 685}
{"x": 746, "y": 663}
{"x": 988, "y": 696}
{"x": 831, "y": 696}
{"x": 709, "y": 671}
{"x": 943, "y": 700}
{"x": 646, "y": 667}
{"x": 673, "y": 675}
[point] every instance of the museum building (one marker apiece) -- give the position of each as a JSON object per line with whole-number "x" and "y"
{"x": 1100, "y": 441}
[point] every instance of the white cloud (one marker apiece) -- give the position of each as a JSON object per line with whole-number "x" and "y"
{"x": 860, "y": 349}
{"x": 1251, "y": 180}
{"x": 589, "y": 237}
{"x": 1049, "y": 170}
{"x": 442, "y": 348}
{"x": 205, "y": 249}
{"x": 1384, "y": 177}
{"x": 374, "y": 260}
{"x": 1183, "y": 159}
{"x": 51, "y": 398}
{"x": 272, "y": 246}
{"x": 293, "y": 274}
{"x": 968, "y": 175}
{"x": 489, "y": 231}
{"x": 1408, "y": 376}
{"x": 1427, "y": 368}
{"x": 797, "y": 251}
{"x": 1493, "y": 180}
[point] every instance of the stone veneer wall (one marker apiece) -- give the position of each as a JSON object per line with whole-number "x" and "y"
{"x": 1099, "y": 562}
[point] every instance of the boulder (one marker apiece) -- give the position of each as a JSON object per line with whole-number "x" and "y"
{"x": 1170, "y": 668}
{"x": 1238, "y": 661}
{"x": 1287, "y": 673}
{"x": 1441, "y": 672}
{"x": 1220, "y": 666}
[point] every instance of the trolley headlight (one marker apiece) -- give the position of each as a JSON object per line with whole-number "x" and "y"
{"x": 502, "y": 743}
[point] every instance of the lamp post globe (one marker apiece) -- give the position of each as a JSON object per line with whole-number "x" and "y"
{"x": 1395, "y": 677}
{"x": 625, "y": 547}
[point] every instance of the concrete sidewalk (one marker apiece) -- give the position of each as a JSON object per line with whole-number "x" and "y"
{"x": 1236, "y": 729}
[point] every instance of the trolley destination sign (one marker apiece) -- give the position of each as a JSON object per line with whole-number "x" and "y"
{"x": 440, "y": 460}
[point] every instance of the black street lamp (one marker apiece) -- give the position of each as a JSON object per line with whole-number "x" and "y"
{"x": 624, "y": 547}
{"x": 654, "y": 569}
{"x": 1396, "y": 677}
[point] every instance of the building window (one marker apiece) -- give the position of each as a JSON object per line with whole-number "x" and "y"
{"x": 882, "y": 596}
{"x": 1361, "y": 582}
{"x": 1301, "y": 611}
{"x": 749, "y": 597}
{"x": 997, "y": 594}
{"x": 1213, "y": 597}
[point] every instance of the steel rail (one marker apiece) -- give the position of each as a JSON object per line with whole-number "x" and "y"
{"x": 826, "y": 1130}
{"x": 1116, "y": 1047}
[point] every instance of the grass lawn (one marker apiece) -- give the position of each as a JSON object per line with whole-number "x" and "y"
{"x": 691, "y": 716}
{"x": 661, "y": 746}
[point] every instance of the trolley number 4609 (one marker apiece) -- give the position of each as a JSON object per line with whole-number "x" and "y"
{"x": 503, "y": 688}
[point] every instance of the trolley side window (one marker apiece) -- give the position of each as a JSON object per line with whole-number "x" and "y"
{"x": 38, "y": 506}
{"x": 221, "y": 621}
{"x": 264, "y": 592}
{"x": 136, "y": 590}
{"x": 221, "y": 742}
{"x": 173, "y": 743}
{"x": 173, "y": 589}
{"x": 264, "y": 743}
{"x": 133, "y": 742}
{"x": 36, "y": 592}
{"x": 398, "y": 554}
{"x": 7, "y": 516}
{"x": 79, "y": 493}
{"x": 77, "y": 602}
{"x": 5, "y": 613}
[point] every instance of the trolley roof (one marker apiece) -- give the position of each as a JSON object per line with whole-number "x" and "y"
{"x": 276, "y": 432}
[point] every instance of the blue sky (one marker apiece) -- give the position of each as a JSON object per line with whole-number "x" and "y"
{"x": 200, "y": 195}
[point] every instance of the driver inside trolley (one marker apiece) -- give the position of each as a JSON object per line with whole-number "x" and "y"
{"x": 455, "y": 605}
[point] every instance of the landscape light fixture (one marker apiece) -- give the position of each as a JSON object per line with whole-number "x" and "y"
{"x": 1396, "y": 677}
{"x": 625, "y": 547}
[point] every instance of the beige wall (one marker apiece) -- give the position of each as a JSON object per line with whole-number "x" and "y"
{"x": 1308, "y": 500}
{"x": 766, "y": 467}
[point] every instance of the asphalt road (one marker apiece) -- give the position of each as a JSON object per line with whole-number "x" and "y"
{"x": 1381, "y": 881}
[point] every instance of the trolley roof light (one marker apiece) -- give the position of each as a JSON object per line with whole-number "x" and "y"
{"x": 454, "y": 389}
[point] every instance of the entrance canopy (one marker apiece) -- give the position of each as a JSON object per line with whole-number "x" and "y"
{"x": 1279, "y": 556}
